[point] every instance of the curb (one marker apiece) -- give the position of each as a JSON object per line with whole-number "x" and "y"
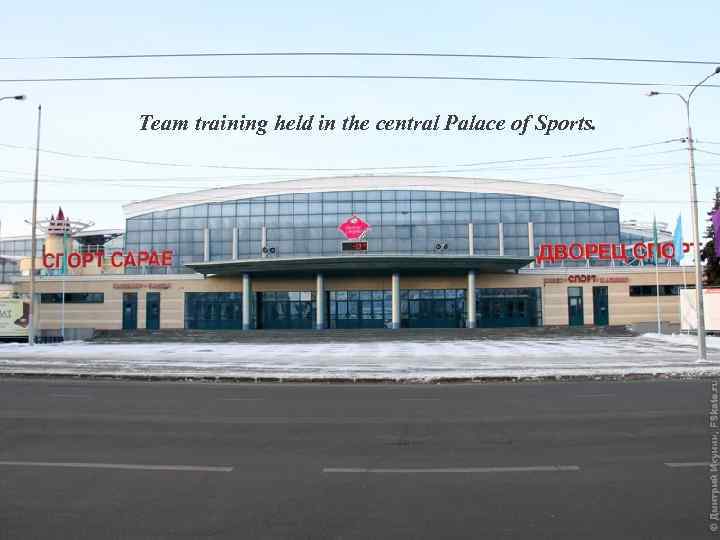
{"x": 347, "y": 380}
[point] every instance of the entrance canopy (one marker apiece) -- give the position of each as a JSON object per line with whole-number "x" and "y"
{"x": 361, "y": 264}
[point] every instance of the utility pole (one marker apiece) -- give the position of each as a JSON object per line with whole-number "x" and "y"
{"x": 699, "y": 304}
{"x": 33, "y": 248}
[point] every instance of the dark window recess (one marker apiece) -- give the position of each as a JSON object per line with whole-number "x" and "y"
{"x": 508, "y": 307}
{"x": 360, "y": 309}
{"x": 213, "y": 311}
{"x": 72, "y": 298}
{"x": 286, "y": 309}
{"x": 651, "y": 290}
{"x": 432, "y": 308}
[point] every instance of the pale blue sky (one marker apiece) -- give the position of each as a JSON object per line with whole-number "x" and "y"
{"x": 101, "y": 118}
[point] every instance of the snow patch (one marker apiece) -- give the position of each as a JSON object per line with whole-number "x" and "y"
{"x": 647, "y": 354}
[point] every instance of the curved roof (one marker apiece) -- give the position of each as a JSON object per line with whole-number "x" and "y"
{"x": 365, "y": 183}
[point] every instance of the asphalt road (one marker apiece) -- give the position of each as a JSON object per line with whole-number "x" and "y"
{"x": 119, "y": 459}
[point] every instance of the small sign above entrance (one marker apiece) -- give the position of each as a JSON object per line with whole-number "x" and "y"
{"x": 354, "y": 228}
{"x": 355, "y": 245}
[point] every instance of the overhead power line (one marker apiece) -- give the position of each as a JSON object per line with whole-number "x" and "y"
{"x": 341, "y": 169}
{"x": 351, "y": 77}
{"x": 206, "y": 182}
{"x": 361, "y": 54}
{"x": 184, "y": 202}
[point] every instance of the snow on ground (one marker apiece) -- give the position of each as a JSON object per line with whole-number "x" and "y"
{"x": 647, "y": 354}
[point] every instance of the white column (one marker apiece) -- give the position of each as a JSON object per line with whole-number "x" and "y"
{"x": 470, "y": 300}
{"x": 206, "y": 245}
{"x": 235, "y": 243}
{"x": 320, "y": 303}
{"x": 501, "y": 239}
{"x": 471, "y": 239}
{"x": 246, "y": 296}
{"x": 395, "y": 301}
{"x": 263, "y": 241}
{"x": 531, "y": 242}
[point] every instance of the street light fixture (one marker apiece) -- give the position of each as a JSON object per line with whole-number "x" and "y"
{"x": 19, "y": 98}
{"x": 702, "y": 352}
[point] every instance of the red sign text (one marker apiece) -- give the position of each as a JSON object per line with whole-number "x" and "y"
{"x": 118, "y": 259}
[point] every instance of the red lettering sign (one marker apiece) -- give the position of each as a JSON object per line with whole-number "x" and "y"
{"x": 606, "y": 251}
{"x": 118, "y": 259}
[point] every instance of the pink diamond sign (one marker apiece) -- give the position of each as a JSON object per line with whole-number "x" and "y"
{"x": 354, "y": 228}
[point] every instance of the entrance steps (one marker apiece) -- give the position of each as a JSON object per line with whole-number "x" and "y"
{"x": 354, "y": 335}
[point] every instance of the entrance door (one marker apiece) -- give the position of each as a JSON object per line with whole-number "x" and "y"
{"x": 499, "y": 308}
{"x": 575, "y": 306}
{"x": 152, "y": 310}
{"x": 129, "y": 321}
{"x": 359, "y": 309}
{"x": 600, "y": 306}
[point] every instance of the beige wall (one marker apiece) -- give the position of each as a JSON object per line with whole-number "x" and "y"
{"x": 624, "y": 309}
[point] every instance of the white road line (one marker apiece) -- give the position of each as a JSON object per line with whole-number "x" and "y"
{"x": 595, "y": 395}
{"x": 241, "y": 399}
{"x": 689, "y": 464}
{"x": 69, "y": 396}
{"x": 196, "y": 468}
{"x": 536, "y": 468}
{"x": 420, "y": 399}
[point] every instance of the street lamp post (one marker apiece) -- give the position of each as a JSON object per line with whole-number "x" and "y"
{"x": 702, "y": 352}
{"x": 33, "y": 247}
{"x": 19, "y": 98}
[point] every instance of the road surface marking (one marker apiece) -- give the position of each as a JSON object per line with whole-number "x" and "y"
{"x": 420, "y": 399}
{"x": 595, "y": 395}
{"x": 241, "y": 399}
{"x": 69, "y": 396}
{"x": 537, "y": 468}
{"x": 198, "y": 468}
{"x": 689, "y": 464}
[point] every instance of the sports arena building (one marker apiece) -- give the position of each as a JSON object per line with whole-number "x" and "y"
{"x": 354, "y": 252}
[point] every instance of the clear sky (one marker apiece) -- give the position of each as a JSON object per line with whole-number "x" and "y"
{"x": 102, "y": 118}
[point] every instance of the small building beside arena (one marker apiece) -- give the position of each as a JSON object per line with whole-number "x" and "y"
{"x": 354, "y": 252}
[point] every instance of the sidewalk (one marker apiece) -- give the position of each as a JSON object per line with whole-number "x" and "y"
{"x": 370, "y": 360}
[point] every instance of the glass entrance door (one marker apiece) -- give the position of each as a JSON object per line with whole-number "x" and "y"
{"x": 432, "y": 308}
{"x": 286, "y": 310}
{"x": 152, "y": 310}
{"x": 129, "y": 315}
{"x": 360, "y": 309}
{"x": 508, "y": 307}
{"x": 575, "y": 306}
{"x": 601, "y": 314}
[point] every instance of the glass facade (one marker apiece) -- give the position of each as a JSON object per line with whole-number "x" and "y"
{"x": 432, "y": 308}
{"x": 16, "y": 247}
{"x": 21, "y": 247}
{"x": 72, "y": 298}
{"x": 286, "y": 310}
{"x": 630, "y": 237}
{"x": 402, "y": 221}
{"x": 213, "y": 311}
{"x": 503, "y": 307}
{"x": 652, "y": 290}
{"x": 360, "y": 309}
{"x": 419, "y": 308}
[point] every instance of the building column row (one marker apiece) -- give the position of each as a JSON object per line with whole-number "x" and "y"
{"x": 470, "y": 301}
{"x": 320, "y": 309}
{"x": 320, "y": 302}
{"x": 246, "y": 296}
{"x": 395, "y": 301}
